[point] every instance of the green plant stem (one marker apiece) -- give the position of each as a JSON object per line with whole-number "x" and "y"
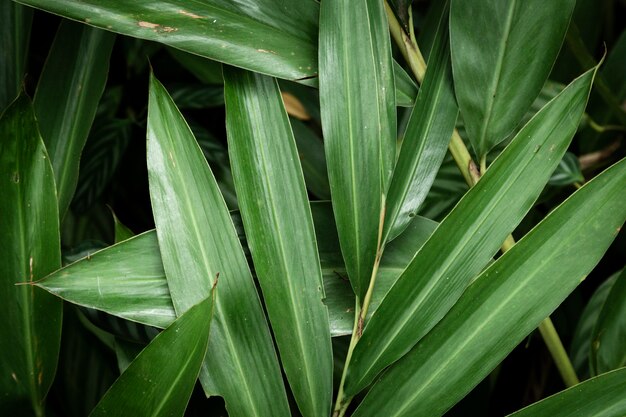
{"x": 342, "y": 403}
{"x": 562, "y": 361}
{"x": 470, "y": 172}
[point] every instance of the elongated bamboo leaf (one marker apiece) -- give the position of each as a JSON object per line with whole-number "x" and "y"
{"x": 113, "y": 281}
{"x": 602, "y": 396}
{"x": 198, "y": 242}
{"x": 500, "y": 69}
{"x": 251, "y": 34}
{"x": 67, "y": 97}
{"x": 425, "y": 140}
{"x": 165, "y": 372}
{"x": 608, "y": 342}
{"x": 30, "y": 330}
{"x": 504, "y": 304}
{"x": 312, "y": 158}
{"x": 14, "y": 39}
{"x": 279, "y": 229}
{"x": 469, "y": 236}
{"x": 406, "y": 89}
{"x": 359, "y": 123}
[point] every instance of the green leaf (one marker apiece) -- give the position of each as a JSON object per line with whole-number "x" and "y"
{"x": 121, "y": 231}
{"x": 500, "y": 69}
{"x": 357, "y": 97}
{"x": 406, "y": 89}
{"x": 504, "y": 304}
{"x": 14, "y": 39}
{"x": 567, "y": 172}
{"x": 113, "y": 281}
{"x": 30, "y": 329}
{"x": 67, "y": 97}
{"x": 251, "y": 34}
{"x": 197, "y": 96}
{"x": 165, "y": 372}
{"x": 204, "y": 69}
{"x": 608, "y": 342}
{"x": 279, "y": 228}
{"x": 581, "y": 341}
{"x": 602, "y": 396}
{"x": 312, "y": 158}
{"x": 425, "y": 140}
{"x": 198, "y": 242}
{"x": 468, "y": 237}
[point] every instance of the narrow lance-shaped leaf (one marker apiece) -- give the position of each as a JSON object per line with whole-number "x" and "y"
{"x": 504, "y": 304}
{"x": 67, "y": 97}
{"x": 113, "y": 281}
{"x": 14, "y": 39}
{"x": 602, "y": 396}
{"x": 469, "y": 236}
{"x": 165, "y": 372}
{"x": 279, "y": 228}
{"x": 198, "y": 242}
{"x": 500, "y": 69}
{"x": 426, "y": 138}
{"x": 251, "y": 34}
{"x": 608, "y": 342}
{"x": 358, "y": 118}
{"x": 30, "y": 329}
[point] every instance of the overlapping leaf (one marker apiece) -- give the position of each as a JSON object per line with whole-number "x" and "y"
{"x": 500, "y": 69}
{"x": 469, "y": 236}
{"x": 251, "y": 34}
{"x": 14, "y": 39}
{"x": 358, "y": 118}
{"x": 198, "y": 243}
{"x": 30, "y": 330}
{"x": 67, "y": 97}
{"x": 165, "y": 372}
{"x": 504, "y": 304}
{"x": 279, "y": 229}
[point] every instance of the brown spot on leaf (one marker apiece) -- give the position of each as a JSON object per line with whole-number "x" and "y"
{"x": 148, "y": 25}
{"x": 192, "y": 15}
{"x": 294, "y": 107}
{"x": 265, "y": 51}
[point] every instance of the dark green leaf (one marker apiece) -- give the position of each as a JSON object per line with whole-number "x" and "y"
{"x": 581, "y": 341}
{"x": 608, "y": 342}
{"x": 197, "y": 96}
{"x": 14, "y": 38}
{"x": 602, "y": 396}
{"x": 67, "y": 97}
{"x": 357, "y": 97}
{"x": 251, "y": 34}
{"x": 406, "y": 89}
{"x": 425, "y": 140}
{"x": 500, "y": 69}
{"x": 204, "y": 69}
{"x": 504, "y": 304}
{"x": 165, "y": 372}
{"x": 30, "y": 329}
{"x": 279, "y": 229}
{"x": 567, "y": 172}
{"x": 198, "y": 242}
{"x": 468, "y": 237}
{"x": 312, "y": 158}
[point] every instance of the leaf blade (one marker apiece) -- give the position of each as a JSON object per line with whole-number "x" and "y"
{"x": 496, "y": 84}
{"x": 505, "y": 303}
{"x": 198, "y": 242}
{"x": 279, "y": 229}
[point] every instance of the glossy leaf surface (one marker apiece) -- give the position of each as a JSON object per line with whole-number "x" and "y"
{"x": 357, "y": 98}
{"x": 276, "y": 214}
{"x": 602, "y": 396}
{"x": 425, "y": 140}
{"x": 67, "y": 97}
{"x": 30, "y": 330}
{"x": 113, "y": 281}
{"x": 165, "y": 372}
{"x": 198, "y": 242}
{"x": 14, "y": 39}
{"x": 500, "y": 69}
{"x": 252, "y": 34}
{"x": 608, "y": 343}
{"x": 469, "y": 236}
{"x": 504, "y": 304}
